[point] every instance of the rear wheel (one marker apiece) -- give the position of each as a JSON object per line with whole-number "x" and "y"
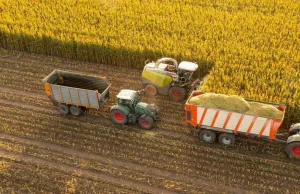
{"x": 151, "y": 89}
{"x": 64, "y": 109}
{"x": 177, "y": 93}
{"x": 227, "y": 139}
{"x": 293, "y": 149}
{"x": 76, "y": 110}
{"x": 208, "y": 136}
{"x": 146, "y": 122}
{"x": 118, "y": 117}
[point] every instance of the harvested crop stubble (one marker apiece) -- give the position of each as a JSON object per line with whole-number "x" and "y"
{"x": 234, "y": 103}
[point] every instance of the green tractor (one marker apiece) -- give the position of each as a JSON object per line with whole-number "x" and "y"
{"x": 166, "y": 77}
{"x": 129, "y": 109}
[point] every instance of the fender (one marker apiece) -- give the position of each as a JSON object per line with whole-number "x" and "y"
{"x": 124, "y": 109}
{"x": 295, "y": 128}
{"x": 293, "y": 138}
{"x": 143, "y": 115}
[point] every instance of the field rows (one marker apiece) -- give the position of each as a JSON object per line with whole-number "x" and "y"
{"x": 169, "y": 158}
{"x": 172, "y": 164}
{"x": 25, "y": 176}
{"x": 101, "y": 167}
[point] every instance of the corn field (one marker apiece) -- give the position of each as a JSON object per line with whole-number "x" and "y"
{"x": 250, "y": 47}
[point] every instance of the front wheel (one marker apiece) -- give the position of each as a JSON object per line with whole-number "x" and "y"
{"x": 293, "y": 149}
{"x": 208, "y": 136}
{"x": 177, "y": 93}
{"x": 118, "y": 117}
{"x": 146, "y": 122}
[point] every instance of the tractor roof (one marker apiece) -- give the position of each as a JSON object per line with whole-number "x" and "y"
{"x": 126, "y": 94}
{"x": 188, "y": 66}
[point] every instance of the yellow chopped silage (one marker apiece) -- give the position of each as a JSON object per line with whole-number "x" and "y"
{"x": 231, "y": 103}
{"x": 234, "y": 103}
{"x": 265, "y": 110}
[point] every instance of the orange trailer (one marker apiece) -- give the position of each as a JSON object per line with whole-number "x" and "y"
{"x": 226, "y": 124}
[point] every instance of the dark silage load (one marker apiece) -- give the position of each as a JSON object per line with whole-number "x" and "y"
{"x": 234, "y": 103}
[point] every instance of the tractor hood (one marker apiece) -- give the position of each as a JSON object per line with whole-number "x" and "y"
{"x": 142, "y": 105}
{"x": 150, "y": 107}
{"x": 188, "y": 66}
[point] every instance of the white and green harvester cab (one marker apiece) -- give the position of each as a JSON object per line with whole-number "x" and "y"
{"x": 166, "y": 77}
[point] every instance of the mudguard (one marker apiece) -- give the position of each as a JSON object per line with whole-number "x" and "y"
{"x": 293, "y": 138}
{"x": 124, "y": 109}
{"x": 295, "y": 127}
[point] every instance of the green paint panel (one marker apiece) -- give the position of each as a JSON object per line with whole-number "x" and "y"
{"x": 159, "y": 79}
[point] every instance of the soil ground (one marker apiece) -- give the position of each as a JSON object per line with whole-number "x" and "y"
{"x": 44, "y": 151}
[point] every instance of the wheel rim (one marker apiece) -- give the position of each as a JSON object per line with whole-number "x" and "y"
{"x": 296, "y": 150}
{"x": 226, "y": 140}
{"x": 74, "y": 111}
{"x": 145, "y": 123}
{"x": 63, "y": 109}
{"x": 207, "y": 137}
{"x": 151, "y": 90}
{"x": 176, "y": 94}
{"x": 119, "y": 117}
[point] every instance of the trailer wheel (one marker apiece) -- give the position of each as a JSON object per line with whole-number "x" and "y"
{"x": 76, "y": 110}
{"x": 293, "y": 149}
{"x": 146, "y": 122}
{"x": 227, "y": 139}
{"x": 177, "y": 93}
{"x": 151, "y": 89}
{"x": 208, "y": 136}
{"x": 64, "y": 109}
{"x": 118, "y": 117}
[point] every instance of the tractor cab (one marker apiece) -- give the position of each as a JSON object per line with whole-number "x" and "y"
{"x": 186, "y": 70}
{"x": 128, "y": 98}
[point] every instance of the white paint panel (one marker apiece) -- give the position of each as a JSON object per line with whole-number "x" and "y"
{"x": 221, "y": 119}
{"x": 259, "y": 123}
{"x": 234, "y": 119}
{"x": 56, "y": 93}
{"x": 245, "y": 123}
{"x": 210, "y": 113}
{"x": 267, "y": 129}
{"x": 65, "y": 94}
{"x": 200, "y": 111}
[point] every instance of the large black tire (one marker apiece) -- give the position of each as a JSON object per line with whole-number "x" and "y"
{"x": 151, "y": 89}
{"x": 226, "y": 139}
{"x": 293, "y": 149}
{"x": 76, "y": 110}
{"x": 177, "y": 93}
{"x": 146, "y": 122}
{"x": 64, "y": 109}
{"x": 208, "y": 136}
{"x": 118, "y": 117}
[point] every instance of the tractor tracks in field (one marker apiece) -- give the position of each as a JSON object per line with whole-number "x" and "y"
{"x": 205, "y": 183}
{"x": 81, "y": 172}
{"x": 201, "y": 183}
